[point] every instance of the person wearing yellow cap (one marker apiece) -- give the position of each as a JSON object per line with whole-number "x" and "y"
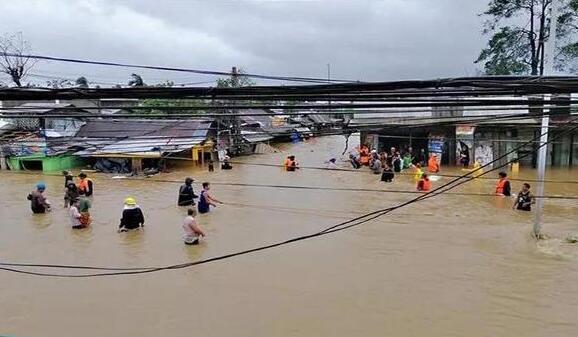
{"x": 132, "y": 216}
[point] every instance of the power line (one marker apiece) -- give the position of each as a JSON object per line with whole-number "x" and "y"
{"x": 194, "y": 71}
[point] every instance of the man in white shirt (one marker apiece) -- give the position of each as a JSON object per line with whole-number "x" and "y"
{"x": 191, "y": 228}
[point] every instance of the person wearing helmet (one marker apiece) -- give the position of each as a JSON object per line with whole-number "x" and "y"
{"x": 186, "y": 194}
{"x": 38, "y": 202}
{"x": 132, "y": 216}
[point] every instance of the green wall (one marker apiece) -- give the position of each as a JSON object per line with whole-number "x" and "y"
{"x": 49, "y": 164}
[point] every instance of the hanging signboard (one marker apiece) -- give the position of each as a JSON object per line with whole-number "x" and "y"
{"x": 436, "y": 146}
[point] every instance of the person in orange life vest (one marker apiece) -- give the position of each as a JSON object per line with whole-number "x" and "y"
{"x": 424, "y": 184}
{"x": 85, "y": 184}
{"x": 364, "y": 155}
{"x": 432, "y": 164}
{"x": 503, "y": 185}
{"x": 290, "y": 164}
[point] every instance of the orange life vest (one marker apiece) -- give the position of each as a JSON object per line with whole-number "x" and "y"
{"x": 500, "y": 186}
{"x": 289, "y": 165}
{"x": 364, "y": 156}
{"x": 425, "y": 185}
{"x": 433, "y": 165}
{"x": 83, "y": 184}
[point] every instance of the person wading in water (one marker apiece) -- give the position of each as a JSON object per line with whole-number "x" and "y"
{"x": 206, "y": 200}
{"x": 38, "y": 202}
{"x": 186, "y": 194}
{"x": 525, "y": 199}
{"x": 132, "y": 216}
{"x": 503, "y": 185}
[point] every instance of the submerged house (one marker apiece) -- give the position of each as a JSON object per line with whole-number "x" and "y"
{"x": 129, "y": 145}
{"x": 26, "y": 143}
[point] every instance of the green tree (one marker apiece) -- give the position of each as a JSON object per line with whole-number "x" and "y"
{"x": 237, "y": 79}
{"x": 519, "y": 30}
{"x": 162, "y": 106}
{"x": 81, "y": 82}
{"x": 136, "y": 81}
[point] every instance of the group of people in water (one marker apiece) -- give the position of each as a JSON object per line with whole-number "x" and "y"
{"x": 389, "y": 163}
{"x": 78, "y": 200}
{"x": 524, "y": 200}
{"x": 78, "y": 195}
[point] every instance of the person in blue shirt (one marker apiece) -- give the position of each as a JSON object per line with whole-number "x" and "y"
{"x": 206, "y": 200}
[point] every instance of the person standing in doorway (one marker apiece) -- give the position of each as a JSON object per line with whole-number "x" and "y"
{"x": 525, "y": 199}
{"x": 464, "y": 155}
{"x": 187, "y": 194}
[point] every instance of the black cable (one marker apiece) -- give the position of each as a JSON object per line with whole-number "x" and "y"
{"x": 388, "y": 104}
{"x": 194, "y": 71}
{"x": 514, "y": 85}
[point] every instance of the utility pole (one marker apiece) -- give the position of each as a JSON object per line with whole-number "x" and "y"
{"x": 236, "y": 136}
{"x": 329, "y": 82}
{"x": 550, "y": 47}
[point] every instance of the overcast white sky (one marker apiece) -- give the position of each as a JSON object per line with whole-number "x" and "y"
{"x": 362, "y": 40}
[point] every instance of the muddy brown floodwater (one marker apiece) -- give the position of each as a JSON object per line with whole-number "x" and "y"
{"x": 449, "y": 266}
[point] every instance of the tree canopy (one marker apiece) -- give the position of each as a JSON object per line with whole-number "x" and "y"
{"x": 136, "y": 81}
{"x": 519, "y": 31}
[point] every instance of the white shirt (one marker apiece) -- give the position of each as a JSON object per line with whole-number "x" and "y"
{"x": 74, "y": 216}
{"x": 190, "y": 234}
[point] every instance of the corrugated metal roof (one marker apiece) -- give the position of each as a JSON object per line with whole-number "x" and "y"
{"x": 140, "y": 137}
{"x": 320, "y": 119}
{"x": 255, "y": 136}
{"x": 142, "y": 127}
{"x": 38, "y": 108}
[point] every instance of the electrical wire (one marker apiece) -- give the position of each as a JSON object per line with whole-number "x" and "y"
{"x": 469, "y": 86}
{"x": 185, "y": 70}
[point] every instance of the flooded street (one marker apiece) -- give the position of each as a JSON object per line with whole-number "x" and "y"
{"x": 452, "y": 265}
